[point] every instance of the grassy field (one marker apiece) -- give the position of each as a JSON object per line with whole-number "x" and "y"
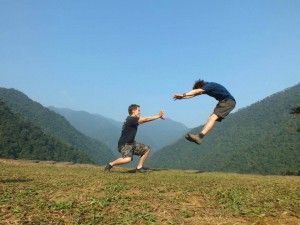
{"x": 45, "y": 193}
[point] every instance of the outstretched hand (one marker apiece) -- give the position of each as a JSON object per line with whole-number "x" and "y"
{"x": 162, "y": 114}
{"x": 178, "y": 97}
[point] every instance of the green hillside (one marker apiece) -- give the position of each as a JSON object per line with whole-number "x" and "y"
{"x": 22, "y": 140}
{"x": 54, "y": 124}
{"x": 39, "y": 193}
{"x": 261, "y": 138}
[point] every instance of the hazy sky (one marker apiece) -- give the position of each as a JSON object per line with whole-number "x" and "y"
{"x": 101, "y": 56}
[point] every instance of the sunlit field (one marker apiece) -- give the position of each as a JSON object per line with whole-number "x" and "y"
{"x": 61, "y": 193}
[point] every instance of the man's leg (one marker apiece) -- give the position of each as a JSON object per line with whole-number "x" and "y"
{"x": 197, "y": 138}
{"x": 142, "y": 159}
{"x": 126, "y": 151}
{"x": 143, "y": 151}
{"x": 120, "y": 161}
{"x": 209, "y": 124}
{"x": 222, "y": 109}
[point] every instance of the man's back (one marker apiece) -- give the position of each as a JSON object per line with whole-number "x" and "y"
{"x": 217, "y": 91}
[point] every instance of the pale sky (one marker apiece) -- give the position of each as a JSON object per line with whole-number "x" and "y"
{"x": 101, "y": 56}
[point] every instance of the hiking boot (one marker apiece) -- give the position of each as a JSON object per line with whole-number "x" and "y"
{"x": 193, "y": 138}
{"x": 108, "y": 167}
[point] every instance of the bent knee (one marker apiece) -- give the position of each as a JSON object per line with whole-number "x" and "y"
{"x": 213, "y": 117}
{"x": 147, "y": 149}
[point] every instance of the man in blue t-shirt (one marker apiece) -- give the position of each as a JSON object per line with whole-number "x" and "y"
{"x": 127, "y": 145}
{"x": 226, "y": 104}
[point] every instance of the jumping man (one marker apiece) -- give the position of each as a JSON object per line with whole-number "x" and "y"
{"x": 226, "y": 104}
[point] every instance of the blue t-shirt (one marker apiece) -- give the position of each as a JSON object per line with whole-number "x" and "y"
{"x": 217, "y": 91}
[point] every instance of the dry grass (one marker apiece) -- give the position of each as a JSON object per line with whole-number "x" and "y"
{"x": 60, "y": 193}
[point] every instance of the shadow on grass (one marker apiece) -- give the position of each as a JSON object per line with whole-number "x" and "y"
{"x": 200, "y": 171}
{"x": 134, "y": 171}
{"x": 15, "y": 180}
{"x": 156, "y": 170}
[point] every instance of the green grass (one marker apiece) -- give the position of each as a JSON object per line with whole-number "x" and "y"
{"x": 40, "y": 193}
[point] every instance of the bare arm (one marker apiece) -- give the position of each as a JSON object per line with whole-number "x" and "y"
{"x": 145, "y": 119}
{"x": 189, "y": 94}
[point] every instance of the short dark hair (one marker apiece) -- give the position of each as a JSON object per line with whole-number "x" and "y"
{"x": 198, "y": 84}
{"x": 132, "y": 107}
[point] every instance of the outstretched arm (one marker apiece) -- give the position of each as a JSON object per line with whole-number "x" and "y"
{"x": 145, "y": 119}
{"x": 189, "y": 94}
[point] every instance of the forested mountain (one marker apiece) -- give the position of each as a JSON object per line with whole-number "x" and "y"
{"x": 157, "y": 134}
{"x": 20, "y": 139}
{"x": 54, "y": 124}
{"x": 261, "y": 138}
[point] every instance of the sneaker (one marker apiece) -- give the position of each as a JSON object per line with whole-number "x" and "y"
{"x": 193, "y": 138}
{"x": 142, "y": 170}
{"x": 147, "y": 168}
{"x": 108, "y": 167}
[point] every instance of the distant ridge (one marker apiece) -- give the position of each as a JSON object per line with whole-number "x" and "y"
{"x": 93, "y": 125}
{"x": 157, "y": 134}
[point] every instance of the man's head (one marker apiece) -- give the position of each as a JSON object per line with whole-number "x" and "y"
{"x": 134, "y": 110}
{"x": 198, "y": 84}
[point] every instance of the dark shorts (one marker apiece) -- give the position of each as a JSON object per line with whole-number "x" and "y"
{"x": 128, "y": 150}
{"x": 223, "y": 108}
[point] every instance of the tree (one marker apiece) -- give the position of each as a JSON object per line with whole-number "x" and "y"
{"x": 295, "y": 110}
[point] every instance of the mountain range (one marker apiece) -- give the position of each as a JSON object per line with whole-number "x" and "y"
{"x": 157, "y": 133}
